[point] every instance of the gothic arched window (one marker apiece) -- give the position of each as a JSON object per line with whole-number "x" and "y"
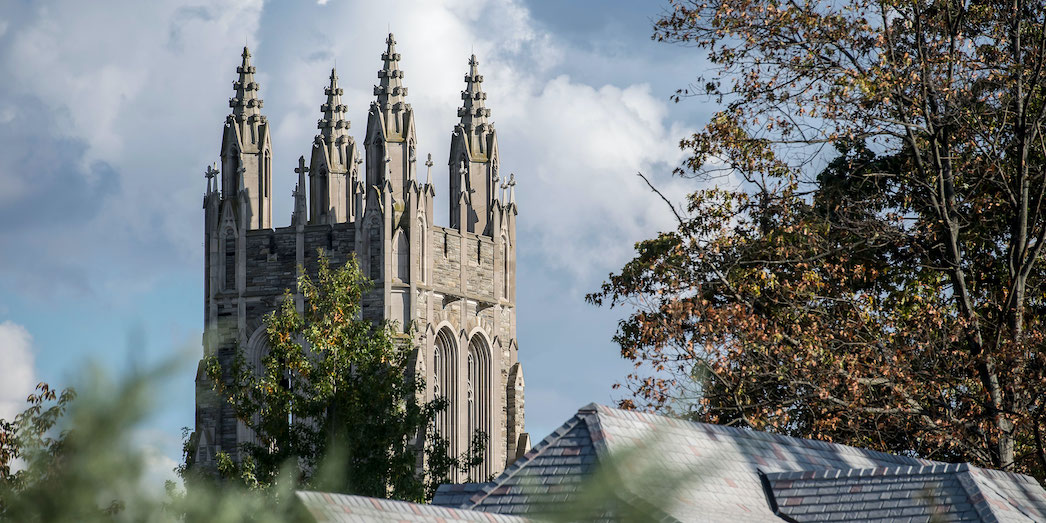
{"x": 479, "y": 406}
{"x": 444, "y": 374}
{"x": 402, "y": 257}
{"x": 470, "y": 406}
{"x": 505, "y": 279}
{"x": 374, "y": 249}
{"x": 229, "y": 260}
{"x": 423, "y": 249}
{"x": 266, "y": 172}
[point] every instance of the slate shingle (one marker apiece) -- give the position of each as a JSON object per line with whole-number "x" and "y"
{"x": 342, "y": 508}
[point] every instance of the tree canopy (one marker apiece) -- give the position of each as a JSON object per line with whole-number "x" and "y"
{"x": 868, "y": 267}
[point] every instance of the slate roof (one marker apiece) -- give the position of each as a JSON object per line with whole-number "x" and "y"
{"x": 342, "y": 508}
{"x": 676, "y": 470}
{"x": 943, "y": 492}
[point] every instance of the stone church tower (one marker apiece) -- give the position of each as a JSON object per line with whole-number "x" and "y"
{"x": 455, "y": 284}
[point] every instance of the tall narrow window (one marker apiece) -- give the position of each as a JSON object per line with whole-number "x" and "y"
{"x": 261, "y": 190}
{"x": 324, "y": 199}
{"x": 267, "y": 173}
{"x": 402, "y": 257}
{"x": 505, "y": 278}
{"x": 470, "y": 408}
{"x": 374, "y": 250}
{"x": 229, "y": 283}
{"x": 444, "y": 381}
{"x": 479, "y": 406}
{"x": 423, "y": 240}
{"x": 437, "y": 385}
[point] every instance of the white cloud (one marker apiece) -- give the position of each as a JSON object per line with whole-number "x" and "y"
{"x": 576, "y": 150}
{"x": 17, "y": 377}
{"x": 575, "y": 147}
{"x": 136, "y": 84}
{"x": 156, "y": 449}
{"x": 148, "y": 99}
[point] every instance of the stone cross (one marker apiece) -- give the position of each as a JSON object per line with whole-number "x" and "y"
{"x": 428, "y": 174}
{"x": 302, "y": 171}
{"x": 210, "y": 173}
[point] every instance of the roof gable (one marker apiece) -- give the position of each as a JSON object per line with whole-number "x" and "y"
{"x": 545, "y": 475}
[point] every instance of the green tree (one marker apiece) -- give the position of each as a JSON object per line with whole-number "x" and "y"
{"x": 871, "y": 272}
{"x": 73, "y": 457}
{"x": 336, "y": 396}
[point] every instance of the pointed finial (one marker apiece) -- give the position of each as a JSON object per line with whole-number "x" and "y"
{"x": 245, "y": 104}
{"x": 211, "y": 171}
{"x": 428, "y": 174}
{"x": 333, "y": 125}
{"x": 390, "y": 90}
{"x": 298, "y": 215}
{"x": 473, "y": 111}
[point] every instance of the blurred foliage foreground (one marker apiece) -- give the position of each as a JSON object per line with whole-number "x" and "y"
{"x": 71, "y": 457}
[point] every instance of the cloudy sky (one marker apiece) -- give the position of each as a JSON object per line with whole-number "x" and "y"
{"x": 109, "y": 112}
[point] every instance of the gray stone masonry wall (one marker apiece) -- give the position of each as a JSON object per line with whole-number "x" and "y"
{"x": 456, "y": 280}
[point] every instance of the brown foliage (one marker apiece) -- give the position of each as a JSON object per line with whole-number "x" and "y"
{"x": 888, "y": 295}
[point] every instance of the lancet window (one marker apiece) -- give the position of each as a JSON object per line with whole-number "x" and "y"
{"x": 478, "y": 387}
{"x": 444, "y": 355}
{"x": 402, "y": 257}
{"x": 505, "y": 266}
{"x": 229, "y": 260}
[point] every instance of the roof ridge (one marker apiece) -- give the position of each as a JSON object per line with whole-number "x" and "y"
{"x": 852, "y": 472}
{"x": 590, "y": 415}
{"x": 759, "y": 435}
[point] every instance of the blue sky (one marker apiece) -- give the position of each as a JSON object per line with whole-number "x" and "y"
{"x": 109, "y": 112}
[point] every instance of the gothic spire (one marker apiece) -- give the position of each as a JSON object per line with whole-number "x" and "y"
{"x": 333, "y": 125}
{"x": 390, "y": 90}
{"x": 246, "y": 102}
{"x": 473, "y": 113}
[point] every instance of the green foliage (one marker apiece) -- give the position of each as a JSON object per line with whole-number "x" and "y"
{"x": 71, "y": 458}
{"x": 336, "y": 398}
